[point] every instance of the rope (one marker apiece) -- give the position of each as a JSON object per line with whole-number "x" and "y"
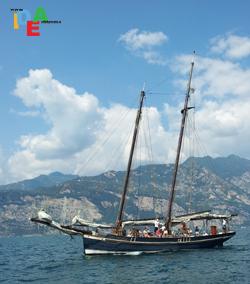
{"x": 106, "y": 138}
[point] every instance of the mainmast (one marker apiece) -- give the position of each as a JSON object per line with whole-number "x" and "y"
{"x": 176, "y": 165}
{"x": 125, "y": 187}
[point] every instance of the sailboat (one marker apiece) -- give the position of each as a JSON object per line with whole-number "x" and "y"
{"x": 126, "y": 236}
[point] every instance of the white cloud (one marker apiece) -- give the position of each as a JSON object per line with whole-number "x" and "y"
{"x": 143, "y": 44}
{"x": 73, "y": 118}
{"x": 154, "y": 57}
{"x": 83, "y": 138}
{"x": 225, "y": 127}
{"x": 232, "y": 46}
{"x": 134, "y": 39}
{"x": 222, "y": 110}
{"x": 216, "y": 77}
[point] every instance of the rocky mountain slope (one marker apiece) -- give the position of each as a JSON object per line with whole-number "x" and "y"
{"x": 221, "y": 184}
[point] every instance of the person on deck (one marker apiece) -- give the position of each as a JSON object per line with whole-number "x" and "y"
{"x": 164, "y": 231}
{"x": 159, "y": 233}
{"x": 157, "y": 224}
{"x": 197, "y": 231}
{"x": 224, "y": 225}
{"x": 146, "y": 233}
{"x": 184, "y": 228}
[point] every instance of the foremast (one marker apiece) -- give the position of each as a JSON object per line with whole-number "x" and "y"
{"x": 126, "y": 182}
{"x": 176, "y": 165}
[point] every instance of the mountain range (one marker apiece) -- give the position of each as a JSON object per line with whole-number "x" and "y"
{"x": 221, "y": 184}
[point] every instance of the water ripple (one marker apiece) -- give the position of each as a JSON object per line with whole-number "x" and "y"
{"x": 52, "y": 259}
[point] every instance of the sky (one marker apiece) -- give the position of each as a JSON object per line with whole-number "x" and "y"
{"x": 68, "y": 97}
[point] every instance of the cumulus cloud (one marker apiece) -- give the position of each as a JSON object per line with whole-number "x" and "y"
{"x": 143, "y": 44}
{"x": 73, "y": 121}
{"x": 134, "y": 39}
{"x": 83, "y": 137}
{"x": 232, "y": 46}
{"x": 222, "y": 97}
{"x": 73, "y": 117}
{"x": 216, "y": 77}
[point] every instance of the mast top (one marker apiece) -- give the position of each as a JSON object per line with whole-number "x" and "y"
{"x": 194, "y": 54}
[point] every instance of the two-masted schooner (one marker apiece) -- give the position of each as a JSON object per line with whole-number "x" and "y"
{"x": 126, "y": 236}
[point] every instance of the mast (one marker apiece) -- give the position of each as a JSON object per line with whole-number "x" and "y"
{"x": 125, "y": 187}
{"x": 176, "y": 165}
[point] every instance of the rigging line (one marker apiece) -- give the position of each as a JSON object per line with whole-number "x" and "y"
{"x": 203, "y": 150}
{"x": 193, "y": 154}
{"x": 190, "y": 146}
{"x": 147, "y": 138}
{"x": 196, "y": 136}
{"x": 192, "y": 164}
{"x": 122, "y": 147}
{"x": 143, "y": 138}
{"x": 199, "y": 142}
{"x": 135, "y": 176}
{"x": 149, "y": 133}
{"x": 190, "y": 153}
{"x": 116, "y": 153}
{"x": 99, "y": 146}
{"x": 146, "y": 145}
{"x": 150, "y": 153}
{"x": 139, "y": 185}
{"x": 162, "y": 93}
{"x": 195, "y": 140}
{"x": 106, "y": 138}
{"x": 184, "y": 152}
{"x": 142, "y": 135}
{"x": 157, "y": 84}
{"x": 137, "y": 188}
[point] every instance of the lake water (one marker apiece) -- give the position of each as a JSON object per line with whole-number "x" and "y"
{"x": 59, "y": 259}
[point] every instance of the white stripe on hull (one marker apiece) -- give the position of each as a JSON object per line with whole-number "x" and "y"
{"x": 95, "y": 251}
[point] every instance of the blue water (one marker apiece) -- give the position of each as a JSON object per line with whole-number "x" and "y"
{"x": 58, "y": 259}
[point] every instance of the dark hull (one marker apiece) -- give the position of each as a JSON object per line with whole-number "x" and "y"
{"x": 111, "y": 244}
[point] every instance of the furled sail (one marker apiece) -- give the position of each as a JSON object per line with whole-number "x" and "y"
{"x": 45, "y": 219}
{"x": 77, "y": 220}
{"x": 204, "y": 215}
